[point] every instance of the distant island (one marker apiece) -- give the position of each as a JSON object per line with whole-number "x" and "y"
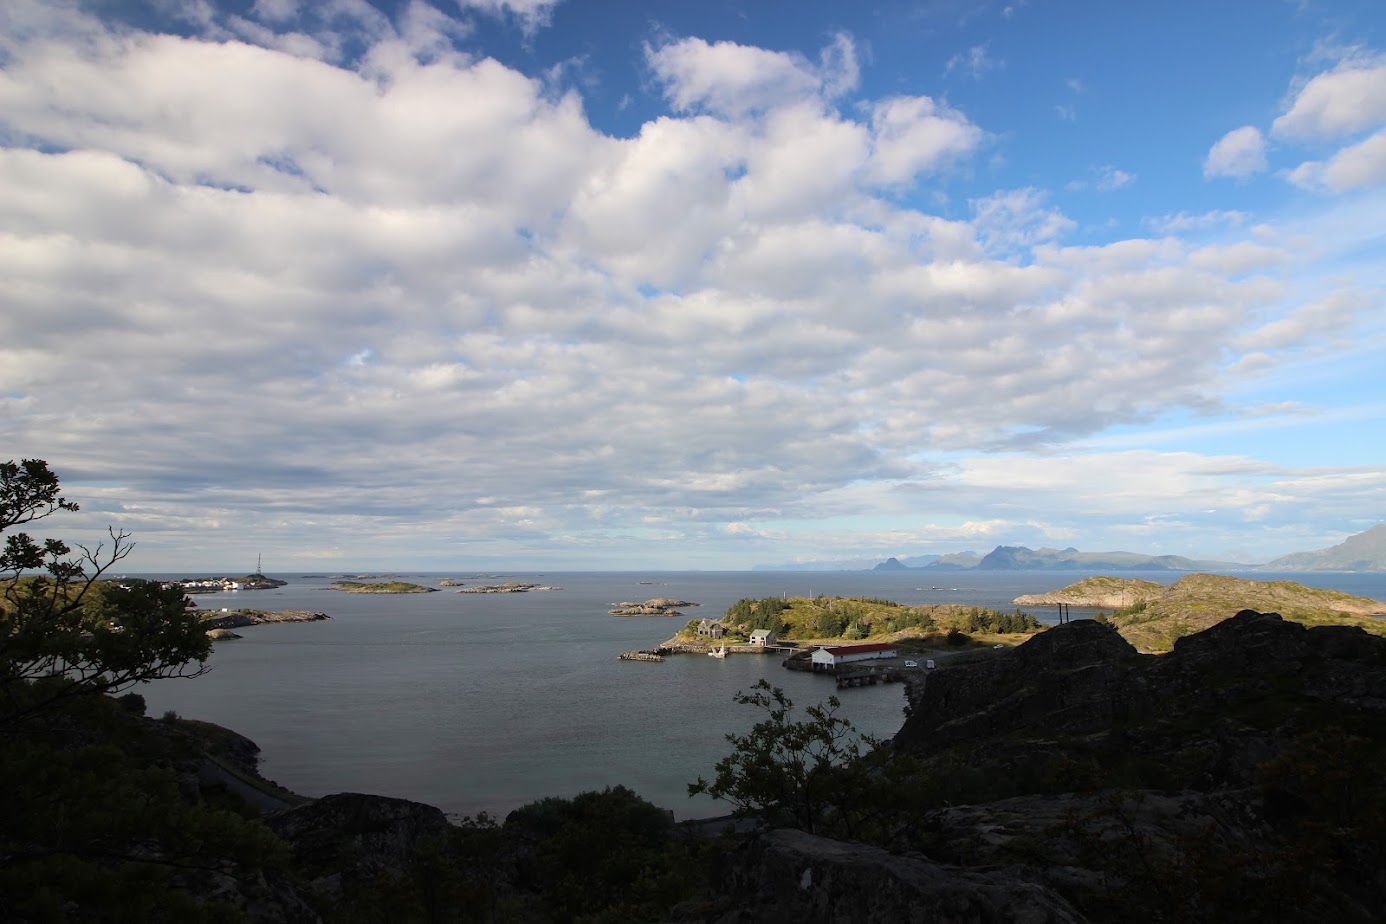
{"x": 215, "y": 585}
{"x": 220, "y": 624}
{"x": 509, "y": 587}
{"x": 1152, "y": 617}
{"x": 660, "y": 606}
{"x": 1365, "y": 551}
{"x": 382, "y": 587}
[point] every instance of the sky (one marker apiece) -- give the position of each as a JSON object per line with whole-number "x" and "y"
{"x": 619, "y": 285}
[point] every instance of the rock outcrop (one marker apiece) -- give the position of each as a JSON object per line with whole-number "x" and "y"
{"x": 236, "y": 619}
{"x": 793, "y": 876}
{"x": 660, "y": 606}
{"x": 351, "y": 838}
{"x": 1197, "y": 780}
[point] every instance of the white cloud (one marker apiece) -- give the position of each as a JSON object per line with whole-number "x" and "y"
{"x": 1184, "y": 221}
{"x": 1349, "y": 99}
{"x": 435, "y": 297}
{"x": 730, "y": 79}
{"x": 1018, "y": 219}
{"x": 275, "y": 11}
{"x": 1105, "y": 178}
{"x": 913, "y": 134}
{"x": 975, "y": 62}
{"x": 1311, "y": 322}
{"x": 1239, "y": 153}
{"x": 1354, "y": 167}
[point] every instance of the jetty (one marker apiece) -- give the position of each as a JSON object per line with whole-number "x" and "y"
{"x": 641, "y": 656}
{"x": 869, "y": 676}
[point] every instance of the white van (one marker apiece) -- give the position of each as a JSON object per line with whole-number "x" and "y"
{"x": 929, "y": 664}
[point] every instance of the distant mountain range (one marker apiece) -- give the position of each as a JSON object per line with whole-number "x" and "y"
{"x": 1362, "y": 552}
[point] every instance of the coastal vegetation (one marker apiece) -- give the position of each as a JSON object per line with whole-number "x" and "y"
{"x": 381, "y": 587}
{"x": 849, "y": 619}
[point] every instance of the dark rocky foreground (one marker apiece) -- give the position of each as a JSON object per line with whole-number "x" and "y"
{"x": 1237, "y": 778}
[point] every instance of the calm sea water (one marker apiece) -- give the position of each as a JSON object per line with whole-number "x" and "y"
{"x": 478, "y": 702}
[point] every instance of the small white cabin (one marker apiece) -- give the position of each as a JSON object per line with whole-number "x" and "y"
{"x": 763, "y": 638}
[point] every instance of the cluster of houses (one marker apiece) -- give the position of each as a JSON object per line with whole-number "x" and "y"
{"x": 825, "y": 658}
{"x": 208, "y": 585}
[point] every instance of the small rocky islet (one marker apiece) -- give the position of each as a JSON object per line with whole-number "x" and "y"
{"x": 220, "y": 624}
{"x": 509, "y": 587}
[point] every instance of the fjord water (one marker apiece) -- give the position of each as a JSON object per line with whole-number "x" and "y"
{"x": 475, "y": 702}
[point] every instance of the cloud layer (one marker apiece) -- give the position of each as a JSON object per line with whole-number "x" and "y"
{"x": 411, "y": 304}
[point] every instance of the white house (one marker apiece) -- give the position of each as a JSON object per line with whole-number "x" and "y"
{"x": 763, "y": 638}
{"x": 830, "y": 659}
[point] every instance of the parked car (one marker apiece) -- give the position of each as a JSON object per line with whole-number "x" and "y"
{"x": 929, "y": 664}
{"x": 911, "y": 663}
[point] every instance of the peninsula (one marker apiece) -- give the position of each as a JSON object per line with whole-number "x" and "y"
{"x": 1152, "y": 616}
{"x": 213, "y": 585}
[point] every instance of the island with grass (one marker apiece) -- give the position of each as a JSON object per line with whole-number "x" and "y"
{"x": 381, "y": 587}
{"x": 808, "y": 622}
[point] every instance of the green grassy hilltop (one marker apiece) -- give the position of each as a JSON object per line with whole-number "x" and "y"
{"x": 1152, "y": 616}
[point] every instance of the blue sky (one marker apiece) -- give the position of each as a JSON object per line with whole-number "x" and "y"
{"x": 531, "y": 285}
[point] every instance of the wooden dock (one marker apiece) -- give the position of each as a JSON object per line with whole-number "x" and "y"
{"x": 642, "y": 656}
{"x": 869, "y": 676}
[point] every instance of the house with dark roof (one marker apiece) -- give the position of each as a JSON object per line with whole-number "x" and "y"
{"x": 711, "y": 628}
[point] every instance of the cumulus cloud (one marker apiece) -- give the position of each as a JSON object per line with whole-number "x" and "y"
{"x": 1356, "y": 166}
{"x": 912, "y": 134}
{"x": 1239, "y": 153}
{"x": 1348, "y": 99}
{"x": 251, "y": 286}
{"x": 729, "y": 79}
